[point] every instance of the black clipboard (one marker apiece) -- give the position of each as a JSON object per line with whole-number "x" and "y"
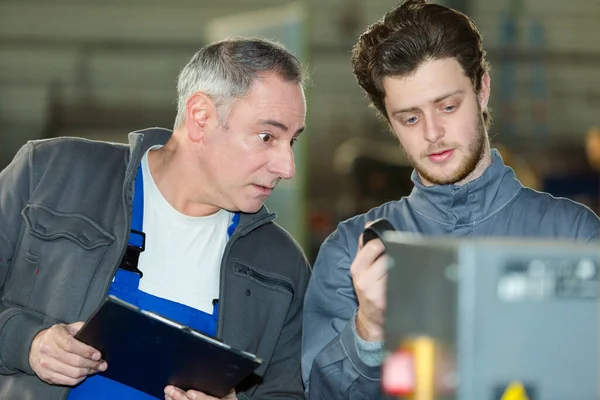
{"x": 148, "y": 352}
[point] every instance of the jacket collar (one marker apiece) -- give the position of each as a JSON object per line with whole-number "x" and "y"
{"x": 141, "y": 141}
{"x": 470, "y": 203}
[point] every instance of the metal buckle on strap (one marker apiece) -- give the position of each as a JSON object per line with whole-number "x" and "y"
{"x": 132, "y": 255}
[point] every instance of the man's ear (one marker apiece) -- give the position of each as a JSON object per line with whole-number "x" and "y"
{"x": 484, "y": 92}
{"x": 200, "y": 109}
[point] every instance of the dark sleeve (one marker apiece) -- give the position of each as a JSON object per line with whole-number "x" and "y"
{"x": 283, "y": 378}
{"x": 17, "y": 326}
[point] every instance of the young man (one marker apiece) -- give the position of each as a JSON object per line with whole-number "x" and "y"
{"x": 424, "y": 69}
{"x": 213, "y": 260}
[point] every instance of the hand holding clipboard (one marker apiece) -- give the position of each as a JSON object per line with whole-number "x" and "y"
{"x": 150, "y": 352}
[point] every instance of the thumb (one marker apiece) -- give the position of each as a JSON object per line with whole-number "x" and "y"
{"x": 74, "y": 327}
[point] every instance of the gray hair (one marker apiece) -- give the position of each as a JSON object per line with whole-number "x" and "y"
{"x": 226, "y": 69}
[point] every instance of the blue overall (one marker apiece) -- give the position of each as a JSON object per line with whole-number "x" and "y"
{"x": 126, "y": 287}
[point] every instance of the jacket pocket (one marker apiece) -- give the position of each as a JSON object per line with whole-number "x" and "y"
{"x": 261, "y": 302}
{"x": 262, "y": 278}
{"x": 55, "y": 262}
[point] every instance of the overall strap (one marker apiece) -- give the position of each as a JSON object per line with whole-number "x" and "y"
{"x": 137, "y": 238}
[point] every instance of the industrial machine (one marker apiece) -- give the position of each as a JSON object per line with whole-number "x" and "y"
{"x": 491, "y": 319}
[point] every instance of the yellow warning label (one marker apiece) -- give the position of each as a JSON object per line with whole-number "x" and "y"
{"x": 515, "y": 391}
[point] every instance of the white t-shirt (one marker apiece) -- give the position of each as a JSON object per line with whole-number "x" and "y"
{"x": 182, "y": 259}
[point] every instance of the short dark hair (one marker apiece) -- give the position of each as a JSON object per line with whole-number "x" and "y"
{"x": 412, "y": 33}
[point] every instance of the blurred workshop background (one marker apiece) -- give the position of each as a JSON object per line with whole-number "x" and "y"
{"x": 102, "y": 68}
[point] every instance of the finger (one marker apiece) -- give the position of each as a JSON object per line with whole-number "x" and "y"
{"x": 382, "y": 299}
{"x": 195, "y": 395}
{"x": 366, "y": 256}
{"x": 231, "y": 395}
{"x": 370, "y": 283}
{"x": 77, "y": 361}
{"x": 175, "y": 393}
{"x": 377, "y": 271}
{"x": 57, "y": 342}
{"x": 54, "y": 378}
{"x": 74, "y": 327}
{"x": 56, "y": 373}
{"x": 71, "y": 345}
{"x": 68, "y": 370}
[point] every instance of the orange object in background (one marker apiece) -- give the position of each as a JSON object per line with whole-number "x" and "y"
{"x": 420, "y": 369}
{"x": 592, "y": 147}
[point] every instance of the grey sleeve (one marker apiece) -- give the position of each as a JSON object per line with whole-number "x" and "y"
{"x": 577, "y": 221}
{"x": 594, "y": 236}
{"x": 371, "y": 353}
{"x": 283, "y": 379}
{"x": 331, "y": 365}
{"x": 17, "y": 326}
{"x": 590, "y": 226}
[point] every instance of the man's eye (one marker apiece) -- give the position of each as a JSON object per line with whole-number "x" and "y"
{"x": 265, "y": 137}
{"x": 449, "y": 108}
{"x": 293, "y": 141}
{"x": 411, "y": 121}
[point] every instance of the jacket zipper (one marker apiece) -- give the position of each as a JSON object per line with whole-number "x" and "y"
{"x": 264, "y": 278}
{"x": 236, "y": 235}
{"x": 127, "y": 230}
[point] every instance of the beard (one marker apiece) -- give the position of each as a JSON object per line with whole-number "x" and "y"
{"x": 474, "y": 154}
